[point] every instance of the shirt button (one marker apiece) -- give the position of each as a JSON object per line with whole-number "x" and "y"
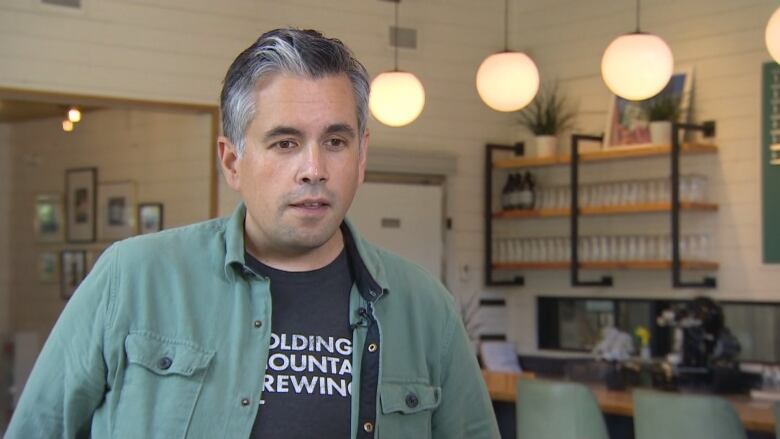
{"x": 245, "y": 401}
{"x": 164, "y": 363}
{"x": 258, "y": 323}
{"x": 412, "y": 401}
{"x": 368, "y": 427}
{"x": 372, "y": 347}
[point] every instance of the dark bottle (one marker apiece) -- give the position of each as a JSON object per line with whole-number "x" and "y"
{"x": 517, "y": 192}
{"x": 506, "y": 193}
{"x": 513, "y": 191}
{"x": 531, "y": 190}
{"x": 522, "y": 192}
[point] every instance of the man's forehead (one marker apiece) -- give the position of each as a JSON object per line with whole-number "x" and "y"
{"x": 291, "y": 97}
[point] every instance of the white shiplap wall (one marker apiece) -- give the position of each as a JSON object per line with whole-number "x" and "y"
{"x": 6, "y": 190}
{"x": 723, "y": 41}
{"x": 166, "y": 154}
{"x": 178, "y": 50}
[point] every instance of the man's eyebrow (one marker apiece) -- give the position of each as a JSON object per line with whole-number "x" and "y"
{"x": 281, "y": 131}
{"x": 341, "y": 128}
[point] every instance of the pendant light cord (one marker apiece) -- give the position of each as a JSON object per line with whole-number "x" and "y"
{"x": 506, "y": 25}
{"x": 637, "y": 16}
{"x": 395, "y": 35}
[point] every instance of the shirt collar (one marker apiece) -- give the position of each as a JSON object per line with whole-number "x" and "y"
{"x": 362, "y": 257}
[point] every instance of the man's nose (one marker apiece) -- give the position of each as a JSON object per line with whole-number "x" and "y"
{"x": 313, "y": 169}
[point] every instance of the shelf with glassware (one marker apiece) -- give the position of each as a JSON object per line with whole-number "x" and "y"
{"x": 607, "y": 198}
{"x": 613, "y": 198}
{"x": 640, "y": 252}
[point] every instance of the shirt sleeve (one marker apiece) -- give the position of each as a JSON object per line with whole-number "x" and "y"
{"x": 68, "y": 380}
{"x": 465, "y": 410}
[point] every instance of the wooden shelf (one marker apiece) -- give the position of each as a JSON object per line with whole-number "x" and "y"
{"x": 604, "y": 210}
{"x": 609, "y": 265}
{"x": 614, "y": 153}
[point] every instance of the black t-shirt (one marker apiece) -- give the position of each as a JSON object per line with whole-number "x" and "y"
{"x": 308, "y": 378}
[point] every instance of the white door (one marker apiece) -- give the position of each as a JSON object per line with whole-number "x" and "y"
{"x": 403, "y": 218}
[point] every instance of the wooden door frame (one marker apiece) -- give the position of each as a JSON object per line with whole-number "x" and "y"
{"x": 132, "y": 103}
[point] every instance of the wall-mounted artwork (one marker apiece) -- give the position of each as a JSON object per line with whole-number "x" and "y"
{"x": 150, "y": 217}
{"x": 72, "y": 271}
{"x": 116, "y": 210}
{"x": 770, "y": 162}
{"x": 49, "y": 218}
{"x": 48, "y": 268}
{"x": 628, "y": 124}
{"x": 80, "y": 196}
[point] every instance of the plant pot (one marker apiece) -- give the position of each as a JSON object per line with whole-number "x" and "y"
{"x": 546, "y": 146}
{"x": 661, "y": 132}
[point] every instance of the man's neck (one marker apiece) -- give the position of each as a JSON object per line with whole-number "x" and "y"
{"x": 287, "y": 259}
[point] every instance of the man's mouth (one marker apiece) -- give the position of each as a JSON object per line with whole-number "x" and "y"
{"x": 311, "y": 204}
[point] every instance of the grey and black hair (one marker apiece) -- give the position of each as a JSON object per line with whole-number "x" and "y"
{"x": 304, "y": 53}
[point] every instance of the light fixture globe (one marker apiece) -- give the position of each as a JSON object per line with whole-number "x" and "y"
{"x": 637, "y": 66}
{"x": 397, "y": 98}
{"x": 507, "y": 81}
{"x": 772, "y": 35}
{"x": 74, "y": 115}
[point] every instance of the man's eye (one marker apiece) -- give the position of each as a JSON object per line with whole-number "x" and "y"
{"x": 285, "y": 144}
{"x": 336, "y": 143}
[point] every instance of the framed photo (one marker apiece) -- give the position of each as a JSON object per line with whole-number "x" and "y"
{"x": 80, "y": 196}
{"x": 116, "y": 210}
{"x": 72, "y": 271}
{"x": 48, "y": 268}
{"x": 627, "y": 123}
{"x": 150, "y": 217}
{"x": 49, "y": 218}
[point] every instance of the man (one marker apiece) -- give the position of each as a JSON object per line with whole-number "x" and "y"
{"x": 279, "y": 322}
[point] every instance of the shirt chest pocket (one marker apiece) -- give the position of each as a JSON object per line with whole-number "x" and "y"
{"x": 407, "y": 409}
{"x": 162, "y": 381}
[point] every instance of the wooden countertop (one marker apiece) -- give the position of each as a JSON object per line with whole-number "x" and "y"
{"x": 756, "y": 415}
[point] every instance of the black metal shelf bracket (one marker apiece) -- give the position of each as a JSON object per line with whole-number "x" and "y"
{"x": 708, "y": 130}
{"x": 517, "y": 149}
{"x": 574, "y": 215}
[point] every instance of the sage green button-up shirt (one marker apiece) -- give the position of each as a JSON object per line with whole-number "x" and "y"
{"x": 168, "y": 338}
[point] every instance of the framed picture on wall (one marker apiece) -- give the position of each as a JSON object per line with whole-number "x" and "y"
{"x": 80, "y": 196}
{"x": 73, "y": 270}
{"x": 116, "y": 210}
{"x": 150, "y": 217}
{"x": 628, "y": 124}
{"x": 48, "y": 268}
{"x": 49, "y": 218}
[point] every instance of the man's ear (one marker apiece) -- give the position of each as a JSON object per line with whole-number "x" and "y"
{"x": 363, "y": 156}
{"x": 228, "y": 160}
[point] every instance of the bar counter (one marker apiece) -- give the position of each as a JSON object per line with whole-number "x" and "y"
{"x": 756, "y": 415}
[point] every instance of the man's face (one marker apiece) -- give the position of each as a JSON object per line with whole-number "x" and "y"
{"x": 302, "y": 162}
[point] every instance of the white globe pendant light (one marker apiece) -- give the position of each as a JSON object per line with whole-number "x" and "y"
{"x": 638, "y": 65}
{"x": 397, "y": 98}
{"x": 772, "y": 35}
{"x": 507, "y": 81}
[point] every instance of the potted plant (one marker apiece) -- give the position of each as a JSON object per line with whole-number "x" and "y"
{"x": 548, "y": 115}
{"x": 662, "y": 110}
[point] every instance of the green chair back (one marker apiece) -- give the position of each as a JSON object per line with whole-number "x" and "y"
{"x": 557, "y": 410}
{"x": 680, "y": 416}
